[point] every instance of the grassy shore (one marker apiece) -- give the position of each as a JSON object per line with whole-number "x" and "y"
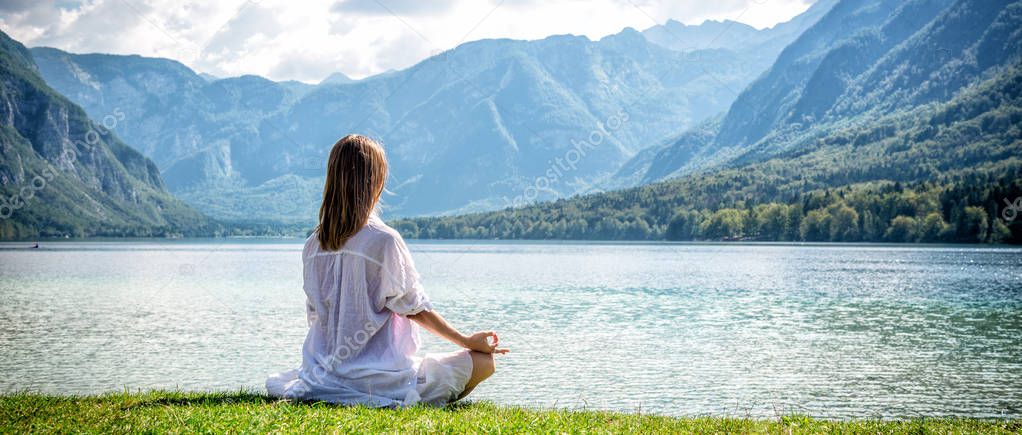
{"x": 246, "y": 412}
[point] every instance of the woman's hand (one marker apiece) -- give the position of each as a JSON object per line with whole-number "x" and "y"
{"x": 480, "y": 342}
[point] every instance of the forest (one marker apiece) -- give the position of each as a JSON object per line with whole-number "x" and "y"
{"x": 978, "y": 208}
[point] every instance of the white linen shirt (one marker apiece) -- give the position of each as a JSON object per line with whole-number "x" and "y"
{"x": 360, "y": 348}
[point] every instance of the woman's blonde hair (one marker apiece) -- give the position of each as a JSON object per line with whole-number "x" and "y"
{"x": 355, "y": 174}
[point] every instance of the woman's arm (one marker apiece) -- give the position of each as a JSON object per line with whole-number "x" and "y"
{"x": 480, "y": 341}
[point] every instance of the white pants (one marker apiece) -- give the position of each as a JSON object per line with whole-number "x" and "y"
{"x": 440, "y": 378}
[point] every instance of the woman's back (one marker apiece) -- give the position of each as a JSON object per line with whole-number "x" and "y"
{"x": 362, "y": 291}
{"x": 359, "y": 342}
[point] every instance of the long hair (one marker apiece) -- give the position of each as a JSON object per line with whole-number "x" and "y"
{"x": 356, "y": 171}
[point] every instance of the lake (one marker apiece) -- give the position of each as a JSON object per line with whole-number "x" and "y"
{"x": 757, "y": 330}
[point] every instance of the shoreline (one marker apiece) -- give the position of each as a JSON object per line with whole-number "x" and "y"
{"x": 243, "y": 411}
{"x": 27, "y": 244}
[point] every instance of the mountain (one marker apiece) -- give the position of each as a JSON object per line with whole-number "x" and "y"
{"x": 758, "y": 48}
{"x": 766, "y": 102}
{"x": 482, "y": 126}
{"x": 337, "y": 78}
{"x": 472, "y": 128}
{"x": 885, "y": 121}
{"x": 727, "y": 34}
{"x": 172, "y": 115}
{"x": 61, "y": 174}
{"x": 488, "y": 124}
{"x": 731, "y": 35}
{"x": 813, "y": 71}
{"x": 863, "y": 59}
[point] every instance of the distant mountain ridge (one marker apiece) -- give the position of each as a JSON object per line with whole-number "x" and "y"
{"x": 736, "y": 36}
{"x": 62, "y": 174}
{"x": 336, "y": 78}
{"x": 476, "y": 128}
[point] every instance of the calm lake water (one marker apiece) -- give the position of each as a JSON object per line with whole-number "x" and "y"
{"x": 832, "y": 331}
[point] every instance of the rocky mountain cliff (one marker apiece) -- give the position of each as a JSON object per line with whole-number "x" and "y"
{"x": 62, "y": 174}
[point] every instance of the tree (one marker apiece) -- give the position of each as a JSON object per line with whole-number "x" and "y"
{"x": 844, "y": 223}
{"x": 903, "y": 229}
{"x": 772, "y": 221}
{"x": 637, "y": 229}
{"x": 933, "y": 228}
{"x": 794, "y": 221}
{"x": 872, "y": 227}
{"x": 1000, "y": 232}
{"x": 816, "y": 226}
{"x": 682, "y": 225}
{"x": 725, "y": 223}
{"x": 973, "y": 225}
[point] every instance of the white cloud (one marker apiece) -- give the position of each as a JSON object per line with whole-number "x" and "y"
{"x": 307, "y": 40}
{"x": 397, "y": 7}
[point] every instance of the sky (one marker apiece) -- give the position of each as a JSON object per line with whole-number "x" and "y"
{"x": 307, "y": 40}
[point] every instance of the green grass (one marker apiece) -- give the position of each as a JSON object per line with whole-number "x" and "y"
{"x": 246, "y": 412}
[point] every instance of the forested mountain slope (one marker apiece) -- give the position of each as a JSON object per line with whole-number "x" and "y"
{"x": 899, "y": 145}
{"x": 872, "y": 58}
{"x": 61, "y": 174}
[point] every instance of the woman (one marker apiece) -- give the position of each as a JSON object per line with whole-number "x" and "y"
{"x": 364, "y": 302}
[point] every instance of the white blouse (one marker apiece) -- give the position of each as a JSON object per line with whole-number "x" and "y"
{"x": 360, "y": 348}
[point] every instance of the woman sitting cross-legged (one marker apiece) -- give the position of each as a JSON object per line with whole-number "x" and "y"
{"x": 364, "y": 302}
